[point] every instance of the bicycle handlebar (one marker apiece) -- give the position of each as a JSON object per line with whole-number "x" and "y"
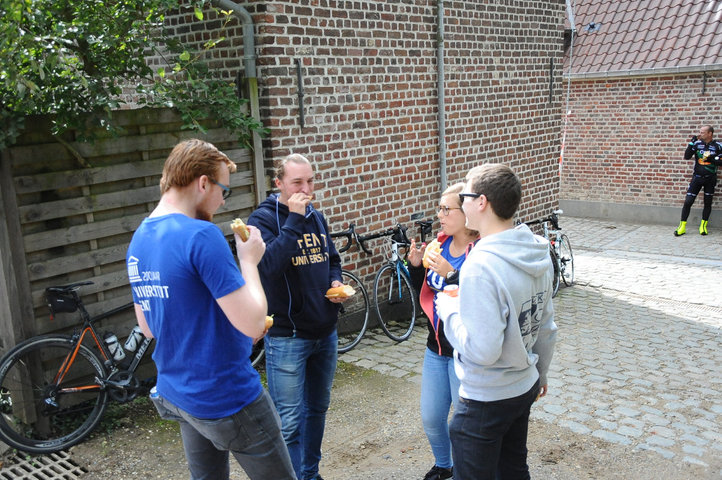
{"x": 399, "y": 232}
{"x": 350, "y": 234}
{"x": 553, "y": 219}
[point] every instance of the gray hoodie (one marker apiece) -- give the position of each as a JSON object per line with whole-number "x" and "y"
{"x": 504, "y": 332}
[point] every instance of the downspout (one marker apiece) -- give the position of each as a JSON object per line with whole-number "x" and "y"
{"x": 249, "y": 43}
{"x": 249, "y": 63}
{"x": 567, "y": 112}
{"x": 440, "y": 91}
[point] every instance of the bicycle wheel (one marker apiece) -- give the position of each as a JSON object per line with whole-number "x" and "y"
{"x": 353, "y": 316}
{"x": 566, "y": 261}
{"x": 41, "y": 413}
{"x": 555, "y": 267}
{"x": 395, "y": 302}
{"x": 258, "y": 351}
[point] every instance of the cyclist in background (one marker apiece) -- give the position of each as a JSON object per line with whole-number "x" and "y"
{"x": 190, "y": 296}
{"x": 299, "y": 266}
{"x": 706, "y": 152}
{"x": 439, "y": 384}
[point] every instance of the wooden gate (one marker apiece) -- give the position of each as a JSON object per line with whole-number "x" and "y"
{"x": 68, "y": 210}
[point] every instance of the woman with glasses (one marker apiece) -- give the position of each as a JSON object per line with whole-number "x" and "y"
{"x": 439, "y": 384}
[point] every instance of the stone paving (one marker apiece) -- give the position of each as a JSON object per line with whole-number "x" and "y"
{"x": 638, "y": 354}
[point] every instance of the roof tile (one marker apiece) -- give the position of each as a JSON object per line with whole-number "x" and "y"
{"x": 646, "y": 34}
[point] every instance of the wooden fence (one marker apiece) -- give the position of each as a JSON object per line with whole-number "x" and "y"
{"x": 68, "y": 211}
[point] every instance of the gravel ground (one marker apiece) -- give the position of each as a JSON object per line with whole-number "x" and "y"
{"x": 373, "y": 432}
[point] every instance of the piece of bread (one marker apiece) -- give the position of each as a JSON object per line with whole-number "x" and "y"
{"x": 240, "y": 228}
{"x": 434, "y": 246}
{"x": 340, "y": 292}
{"x": 269, "y": 322}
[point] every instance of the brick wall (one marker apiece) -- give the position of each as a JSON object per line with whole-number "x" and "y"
{"x": 626, "y": 137}
{"x": 370, "y": 105}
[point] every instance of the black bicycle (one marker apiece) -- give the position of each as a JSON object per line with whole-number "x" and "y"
{"x": 560, "y": 249}
{"x": 55, "y": 388}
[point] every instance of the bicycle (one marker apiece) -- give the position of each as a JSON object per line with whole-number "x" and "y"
{"x": 560, "y": 249}
{"x": 353, "y": 315}
{"x": 54, "y": 389}
{"x": 395, "y": 298}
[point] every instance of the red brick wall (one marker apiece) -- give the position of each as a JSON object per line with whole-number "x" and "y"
{"x": 370, "y": 105}
{"x": 626, "y": 137}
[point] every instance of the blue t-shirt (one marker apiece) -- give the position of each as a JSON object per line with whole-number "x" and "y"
{"x": 178, "y": 266}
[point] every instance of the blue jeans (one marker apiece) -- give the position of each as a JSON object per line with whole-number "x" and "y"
{"x": 253, "y": 435}
{"x": 300, "y": 374}
{"x": 488, "y": 439}
{"x": 439, "y": 389}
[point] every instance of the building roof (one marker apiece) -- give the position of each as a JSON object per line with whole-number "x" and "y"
{"x": 633, "y": 36}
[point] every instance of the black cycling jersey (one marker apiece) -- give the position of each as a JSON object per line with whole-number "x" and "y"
{"x": 705, "y": 157}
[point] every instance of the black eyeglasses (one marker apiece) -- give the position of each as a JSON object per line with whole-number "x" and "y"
{"x": 226, "y": 188}
{"x": 470, "y": 195}
{"x": 446, "y": 210}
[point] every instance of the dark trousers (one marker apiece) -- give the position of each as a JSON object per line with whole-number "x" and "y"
{"x": 698, "y": 183}
{"x": 488, "y": 439}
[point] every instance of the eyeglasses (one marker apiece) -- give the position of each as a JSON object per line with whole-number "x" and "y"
{"x": 446, "y": 210}
{"x": 226, "y": 188}
{"x": 470, "y": 195}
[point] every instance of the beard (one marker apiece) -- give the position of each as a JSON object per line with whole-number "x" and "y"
{"x": 204, "y": 215}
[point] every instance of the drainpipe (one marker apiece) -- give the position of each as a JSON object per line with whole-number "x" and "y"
{"x": 440, "y": 90}
{"x": 249, "y": 63}
{"x": 567, "y": 112}
{"x": 249, "y": 45}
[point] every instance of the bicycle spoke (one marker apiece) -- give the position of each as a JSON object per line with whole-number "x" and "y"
{"x": 556, "y": 273}
{"x": 566, "y": 260}
{"x": 353, "y": 314}
{"x": 258, "y": 352}
{"x": 39, "y": 416}
{"x": 396, "y": 307}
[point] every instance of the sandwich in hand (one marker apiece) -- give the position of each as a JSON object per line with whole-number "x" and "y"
{"x": 340, "y": 292}
{"x": 240, "y": 228}
{"x": 434, "y": 246}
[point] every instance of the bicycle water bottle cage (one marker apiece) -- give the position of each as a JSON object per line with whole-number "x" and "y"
{"x": 61, "y": 302}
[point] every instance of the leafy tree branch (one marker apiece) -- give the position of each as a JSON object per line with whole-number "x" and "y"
{"x": 73, "y": 58}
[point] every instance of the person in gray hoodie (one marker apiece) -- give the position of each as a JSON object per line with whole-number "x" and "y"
{"x": 502, "y": 328}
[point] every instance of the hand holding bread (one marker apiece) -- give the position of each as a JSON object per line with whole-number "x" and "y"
{"x": 298, "y": 202}
{"x": 249, "y": 244}
{"x": 435, "y": 247}
{"x": 340, "y": 292}
{"x": 240, "y": 228}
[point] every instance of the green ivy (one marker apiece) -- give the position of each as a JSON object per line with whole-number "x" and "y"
{"x": 72, "y": 59}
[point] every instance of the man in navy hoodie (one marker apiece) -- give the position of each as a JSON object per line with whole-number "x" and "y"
{"x": 300, "y": 264}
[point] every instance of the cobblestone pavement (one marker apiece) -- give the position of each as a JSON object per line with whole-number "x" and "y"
{"x": 638, "y": 356}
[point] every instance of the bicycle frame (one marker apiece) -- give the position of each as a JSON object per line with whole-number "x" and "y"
{"x": 401, "y": 269}
{"x": 79, "y": 337}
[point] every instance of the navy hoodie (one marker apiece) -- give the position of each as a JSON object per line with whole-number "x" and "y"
{"x": 298, "y": 267}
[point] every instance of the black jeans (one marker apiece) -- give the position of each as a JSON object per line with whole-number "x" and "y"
{"x": 488, "y": 439}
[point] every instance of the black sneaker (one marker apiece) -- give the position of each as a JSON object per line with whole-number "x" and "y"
{"x": 438, "y": 473}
